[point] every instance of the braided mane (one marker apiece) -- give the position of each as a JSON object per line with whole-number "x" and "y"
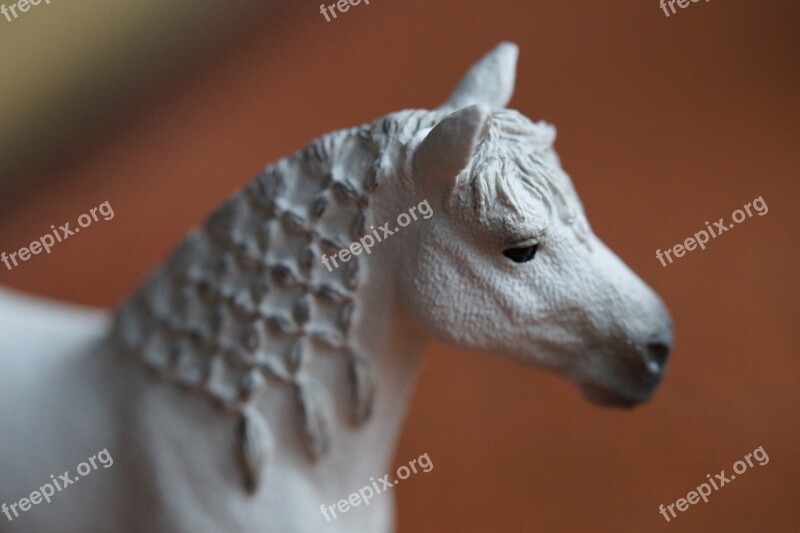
{"x": 244, "y": 302}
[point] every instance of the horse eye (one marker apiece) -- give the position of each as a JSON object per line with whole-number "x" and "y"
{"x": 521, "y": 255}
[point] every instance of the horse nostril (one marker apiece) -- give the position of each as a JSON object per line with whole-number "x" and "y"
{"x": 658, "y": 353}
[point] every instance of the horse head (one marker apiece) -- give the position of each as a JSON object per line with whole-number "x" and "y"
{"x": 508, "y": 263}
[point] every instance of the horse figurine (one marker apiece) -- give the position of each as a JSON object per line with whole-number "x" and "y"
{"x": 264, "y": 370}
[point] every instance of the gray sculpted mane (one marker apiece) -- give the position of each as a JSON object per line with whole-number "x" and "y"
{"x": 244, "y": 302}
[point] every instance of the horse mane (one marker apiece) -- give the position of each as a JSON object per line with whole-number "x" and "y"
{"x": 244, "y": 302}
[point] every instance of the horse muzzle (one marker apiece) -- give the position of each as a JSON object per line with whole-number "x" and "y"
{"x": 633, "y": 379}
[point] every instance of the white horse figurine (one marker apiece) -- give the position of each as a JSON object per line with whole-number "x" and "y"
{"x": 264, "y": 371}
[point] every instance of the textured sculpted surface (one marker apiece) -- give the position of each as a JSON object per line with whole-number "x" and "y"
{"x": 245, "y": 300}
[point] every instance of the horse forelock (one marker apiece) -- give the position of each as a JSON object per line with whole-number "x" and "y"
{"x": 515, "y": 161}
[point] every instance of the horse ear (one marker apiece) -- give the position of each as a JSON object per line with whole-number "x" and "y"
{"x": 490, "y": 81}
{"x": 448, "y": 147}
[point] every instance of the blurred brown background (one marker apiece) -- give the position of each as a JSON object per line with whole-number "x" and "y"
{"x": 664, "y": 123}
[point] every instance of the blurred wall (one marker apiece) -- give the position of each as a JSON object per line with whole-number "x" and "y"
{"x": 70, "y": 67}
{"x": 664, "y": 123}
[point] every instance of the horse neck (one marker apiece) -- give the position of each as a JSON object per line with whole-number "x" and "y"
{"x": 244, "y": 303}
